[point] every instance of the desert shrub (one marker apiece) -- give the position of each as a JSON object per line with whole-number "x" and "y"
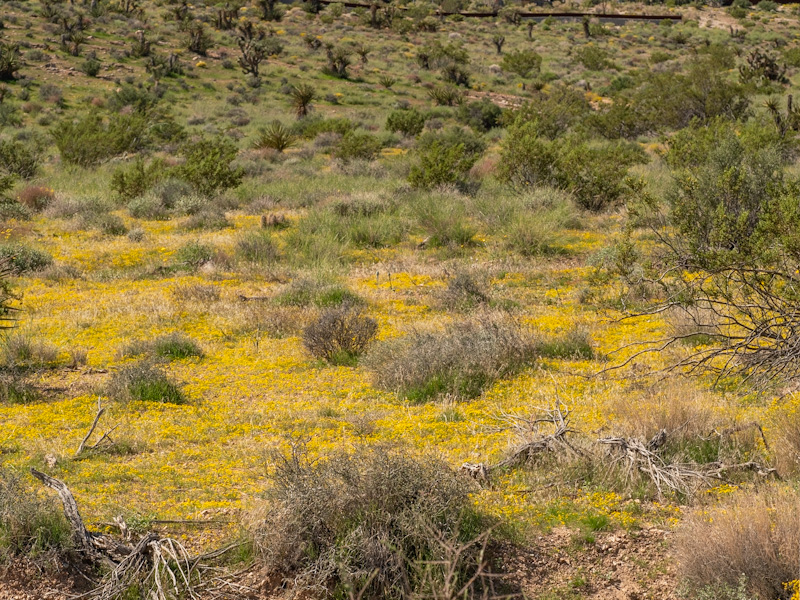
{"x": 792, "y": 56}
{"x": 551, "y": 114}
{"x": 15, "y": 388}
{"x": 445, "y": 158}
{"x": 20, "y": 158}
{"x": 89, "y": 141}
{"x": 208, "y": 219}
{"x": 36, "y": 197}
{"x": 481, "y": 115}
{"x": 24, "y": 258}
{"x": 110, "y": 224}
{"x": 171, "y": 346}
{"x": 754, "y": 538}
{"x": 593, "y": 57}
{"x": 367, "y": 221}
{"x": 366, "y": 523}
{"x": 25, "y": 351}
{"x": 522, "y": 62}
{"x": 357, "y": 146}
{"x": 444, "y": 219}
{"x": 148, "y": 207}
{"x": 539, "y": 230}
{"x": 207, "y": 167}
{"x": 29, "y": 525}
{"x": 275, "y": 136}
{"x": 311, "y": 127}
{"x": 575, "y": 343}
{"x": 595, "y": 173}
{"x": 340, "y": 335}
{"x": 257, "y": 247}
{"x": 464, "y": 292}
{"x": 137, "y": 179}
{"x": 308, "y": 292}
{"x": 144, "y": 382}
{"x": 409, "y": 122}
{"x": 91, "y": 66}
{"x": 193, "y": 254}
{"x": 528, "y": 158}
{"x": 463, "y": 361}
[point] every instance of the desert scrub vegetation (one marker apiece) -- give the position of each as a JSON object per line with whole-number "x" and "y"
{"x": 340, "y": 335}
{"x": 172, "y": 346}
{"x": 30, "y": 526}
{"x": 376, "y": 522}
{"x": 462, "y": 361}
{"x": 144, "y": 381}
{"x": 750, "y": 541}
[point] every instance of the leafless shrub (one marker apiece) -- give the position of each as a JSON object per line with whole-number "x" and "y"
{"x": 462, "y": 361}
{"x": 464, "y": 291}
{"x": 340, "y": 335}
{"x": 755, "y": 536}
{"x": 376, "y": 523}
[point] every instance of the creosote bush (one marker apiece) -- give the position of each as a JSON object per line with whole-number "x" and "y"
{"x": 308, "y": 292}
{"x": 144, "y": 382}
{"x": 463, "y": 361}
{"x": 23, "y": 258}
{"x": 370, "y": 523}
{"x": 340, "y": 335}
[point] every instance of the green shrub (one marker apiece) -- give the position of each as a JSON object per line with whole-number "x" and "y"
{"x": 24, "y": 259}
{"x": 20, "y": 158}
{"x": 522, "y": 62}
{"x": 207, "y": 167}
{"x": 311, "y": 127}
{"x": 110, "y": 224}
{"x": 193, "y": 254}
{"x": 574, "y": 344}
{"x": 144, "y": 382}
{"x": 540, "y": 232}
{"x": 29, "y": 525}
{"x": 481, "y": 115}
{"x": 593, "y": 57}
{"x": 357, "y": 146}
{"x": 378, "y": 522}
{"x": 172, "y": 346}
{"x": 527, "y": 159}
{"x": 340, "y": 335}
{"x": 89, "y": 141}
{"x": 138, "y": 178}
{"x": 553, "y": 113}
{"x": 409, "y": 122}
{"x": 440, "y": 164}
{"x": 148, "y": 207}
{"x": 91, "y": 66}
{"x": 307, "y": 292}
{"x": 444, "y": 219}
{"x": 463, "y": 361}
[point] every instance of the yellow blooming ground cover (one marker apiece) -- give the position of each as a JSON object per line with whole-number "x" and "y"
{"x": 251, "y": 394}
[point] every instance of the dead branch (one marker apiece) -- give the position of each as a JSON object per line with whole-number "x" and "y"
{"x": 536, "y": 441}
{"x": 162, "y": 566}
{"x": 100, "y": 411}
{"x": 739, "y": 428}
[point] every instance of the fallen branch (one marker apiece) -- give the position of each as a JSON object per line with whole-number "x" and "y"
{"x": 558, "y": 418}
{"x": 161, "y": 568}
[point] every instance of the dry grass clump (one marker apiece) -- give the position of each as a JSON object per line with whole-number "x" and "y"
{"x": 24, "y": 351}
{"x": 198, "y": 292}
{"x": 464, "y": 292}
{"x": 754, "y": 538}
{"x": 375, "y": 522}
{"x": 340, "y": 335}
{"x": 36, "y": 197}
{"x": 29, "y": 525}
{"x": 575, "y": 343}
{"x": 462, "y": 361}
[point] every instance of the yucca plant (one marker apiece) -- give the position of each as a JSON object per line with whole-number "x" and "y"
{"x": 302, "y": 97}
{"x": 445, "y": 95}
{"x": 275, "y": 136}
{"x": 387, "y": 81}
{"x": 9, "y": 60}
